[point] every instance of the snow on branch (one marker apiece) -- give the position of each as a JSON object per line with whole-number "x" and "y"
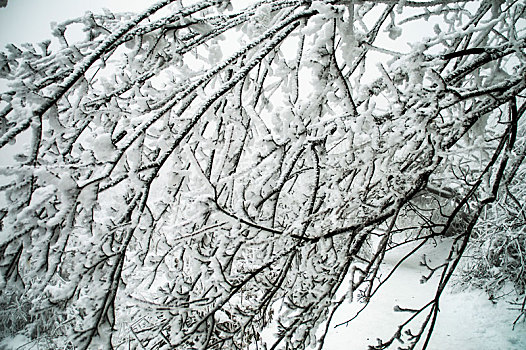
{"x": 213, "y": 176}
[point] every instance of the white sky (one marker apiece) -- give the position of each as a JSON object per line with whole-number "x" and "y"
{"x": 29, "y": 20}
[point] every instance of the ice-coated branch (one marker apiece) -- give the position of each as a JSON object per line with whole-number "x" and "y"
{"x": 228, "y": 176}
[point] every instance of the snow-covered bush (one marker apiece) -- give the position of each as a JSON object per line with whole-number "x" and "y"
{"x": 197, "y": 174}
{"x": 496, "y": 256}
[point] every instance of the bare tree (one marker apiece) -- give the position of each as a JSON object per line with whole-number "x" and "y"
{"x": 198, "y": 173}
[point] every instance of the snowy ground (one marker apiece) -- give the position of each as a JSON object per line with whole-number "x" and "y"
{"x": 467, "y": 319}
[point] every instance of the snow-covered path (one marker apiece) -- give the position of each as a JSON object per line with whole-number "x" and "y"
{"x": 467, "y": 319}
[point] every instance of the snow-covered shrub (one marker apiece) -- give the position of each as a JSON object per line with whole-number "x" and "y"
{"x": 18, "y": 316}
{"x": 496, "y": 255}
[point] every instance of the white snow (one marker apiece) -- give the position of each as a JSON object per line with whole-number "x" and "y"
{"x": 467, "y": 319}
{"x": 16, "y": 342}
{"x": 103, "y": 147}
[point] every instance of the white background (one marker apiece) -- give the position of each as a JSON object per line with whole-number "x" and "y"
{"x": 29, "y": 20}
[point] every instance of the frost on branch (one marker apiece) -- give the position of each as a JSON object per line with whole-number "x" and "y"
{"x": 194, "y": 175}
